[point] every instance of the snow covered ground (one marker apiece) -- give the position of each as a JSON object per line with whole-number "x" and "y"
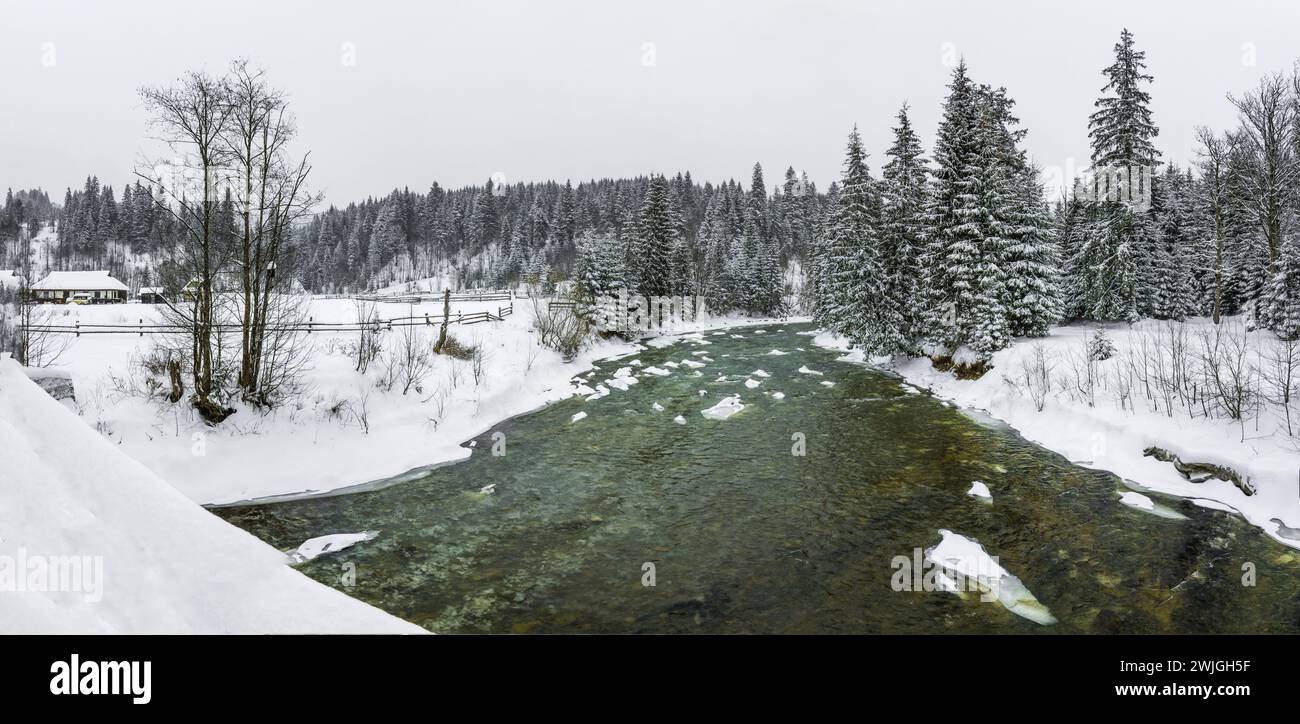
{"x": 343, "y": 431}
{"x": 1122, "y": 422}
{"x": 91, "y": 541}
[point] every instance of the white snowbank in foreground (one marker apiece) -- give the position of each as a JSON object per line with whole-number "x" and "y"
{"x": 964, "y": 558}
{"x": 168, "y": 566}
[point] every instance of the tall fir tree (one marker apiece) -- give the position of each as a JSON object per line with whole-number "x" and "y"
{"x": 1122, "y": 236}
{"x": 905, "y": 197}
{"x": 657, "y": 229}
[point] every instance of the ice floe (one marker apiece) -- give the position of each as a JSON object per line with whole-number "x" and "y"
{"x": 333, "y": 543}
{"x": 727, "y": 407}
{"x": 980, "y": 490}
{"x": 963, "y": 558}
{"x": 622, "y": 383}
{"x": 1137, "y": 500}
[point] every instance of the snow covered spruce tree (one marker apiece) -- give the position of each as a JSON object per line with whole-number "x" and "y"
{"x": 853, "y": 299}
{"x": 992, "y": 267}
{"x": 1172, "y": 287}
{"x": 905, "y": 196}
{"x": 649, "y": 262}
{"x": 598, "y": 269}
{"x": 952, "y": 252}
{"x": 1033, "y": 291}
{"x": 1121, "y": 236}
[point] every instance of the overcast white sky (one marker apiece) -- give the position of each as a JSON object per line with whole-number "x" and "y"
{"x": 458, "y": 91}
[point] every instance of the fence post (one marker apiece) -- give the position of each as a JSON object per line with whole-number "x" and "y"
{"x": 141, "y": 321}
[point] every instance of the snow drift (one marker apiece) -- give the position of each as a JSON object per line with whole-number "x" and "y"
{"x": 168, "y": 566}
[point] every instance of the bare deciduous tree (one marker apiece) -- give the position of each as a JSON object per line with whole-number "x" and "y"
{"x": 192, "y": 118}
{"x": 270, "y": 197}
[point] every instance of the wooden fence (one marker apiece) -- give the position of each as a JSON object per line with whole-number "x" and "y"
{"x": 421, "y": 297}
{"x": 310, "y": 326}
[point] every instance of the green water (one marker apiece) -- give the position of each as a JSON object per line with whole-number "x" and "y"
{"x": 744, "y": 536}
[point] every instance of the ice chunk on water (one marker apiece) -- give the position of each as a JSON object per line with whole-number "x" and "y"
{"x": 980, "y": 490}
{"x": 679, "y": 420}
{"x": 827, "y": 383}
{"x": 778, "y": 395}
{"x": 601, "y": 391}
{"x": 1137, "y": 500}
{"x": 805, "y": 370}
{"x": 776, "y": 353}
{"x": 622, "y": 383}
{"x": 760, "y": 373}
{"x": 657, "y": 371}
{"x": 964, "y": 559}
{"x": 578, "y": 416}
{"x": 724, "y": 409}
{"x": 751, "y": 383}
{"x": 658, "y": 407}
{"x": 321, "y": 545}
{"x": 692, "y": 363}
{"x": 623, "y": 372}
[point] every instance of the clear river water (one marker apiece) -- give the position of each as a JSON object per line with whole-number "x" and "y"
{"x": 743, "y": 536}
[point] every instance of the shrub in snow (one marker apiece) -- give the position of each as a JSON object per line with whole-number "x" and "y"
{"x": 1100, "y": 346}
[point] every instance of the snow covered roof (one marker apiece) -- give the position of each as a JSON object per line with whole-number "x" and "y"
{"x": 152, "y": 290}
{"x": 80, "y": 281}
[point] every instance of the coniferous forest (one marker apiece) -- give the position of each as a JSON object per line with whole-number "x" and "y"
{"x": 954, "y": 247}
